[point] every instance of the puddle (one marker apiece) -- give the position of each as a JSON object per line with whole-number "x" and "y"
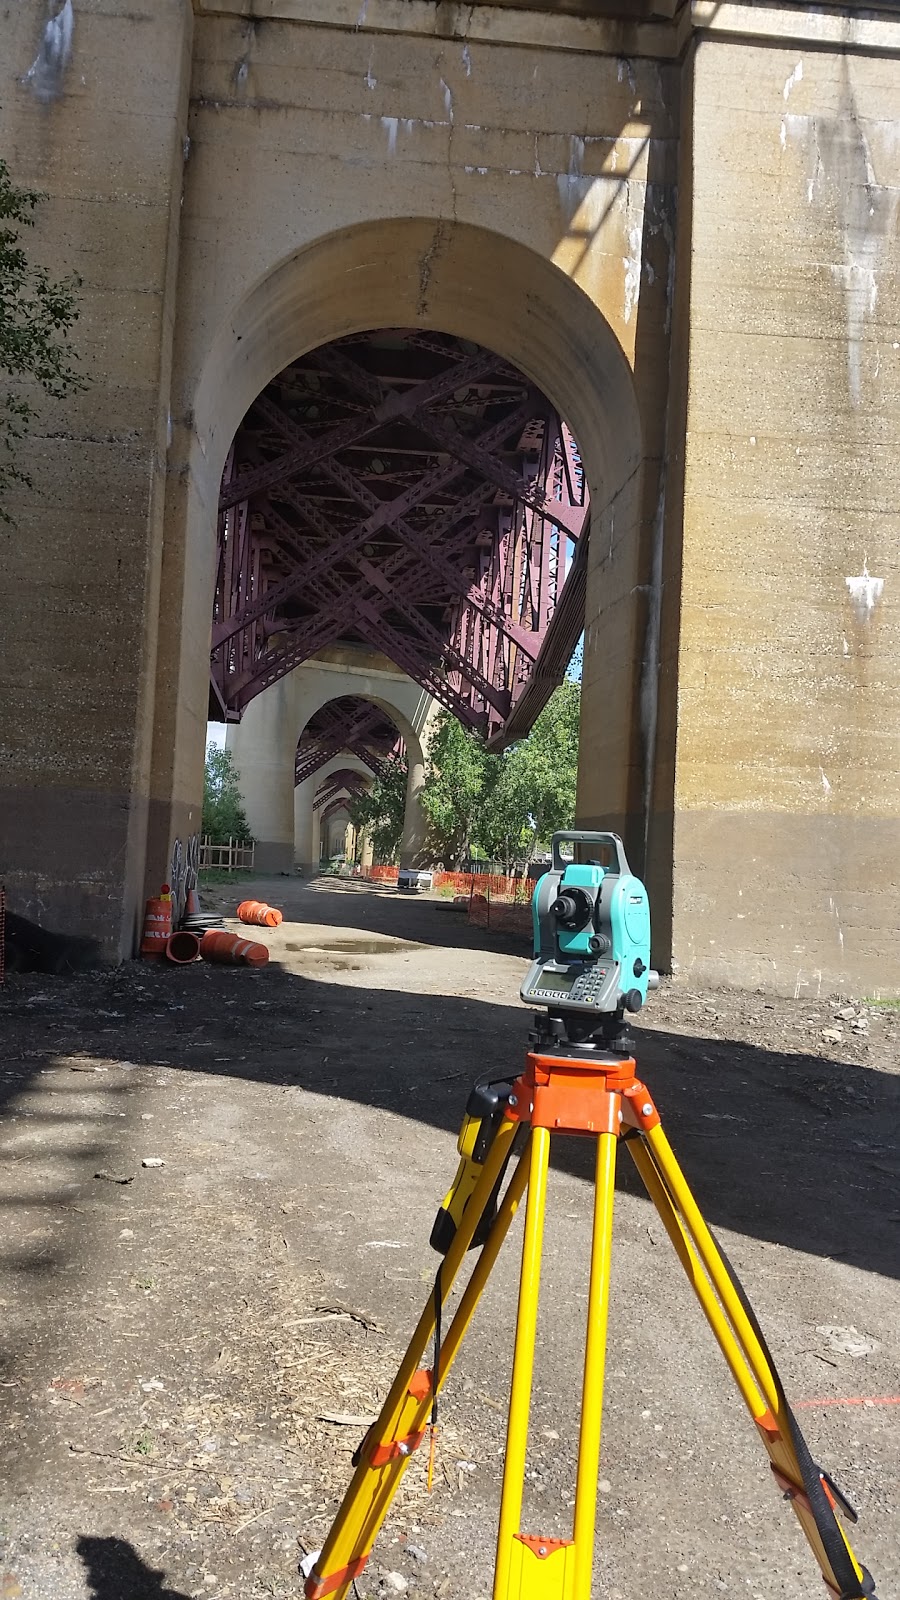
{"x": 355, "y": 947}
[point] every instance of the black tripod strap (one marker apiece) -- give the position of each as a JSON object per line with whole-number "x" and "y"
{"x": 850, "y": 1586}
{"x": 438, "y": 1307}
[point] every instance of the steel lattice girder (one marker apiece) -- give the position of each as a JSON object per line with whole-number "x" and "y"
{"x": 413, "y": 493}
{"x": 348, "y": 724}
{"x": 345, "y": 779}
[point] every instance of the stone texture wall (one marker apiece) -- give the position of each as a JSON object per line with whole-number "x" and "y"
{"x": 339, "y": 179}
{"x": 81, "y": 568}
{"x": 787, "y": 796}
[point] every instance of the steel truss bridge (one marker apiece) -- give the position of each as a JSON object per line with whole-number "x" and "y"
{"x": 411, "y": 492}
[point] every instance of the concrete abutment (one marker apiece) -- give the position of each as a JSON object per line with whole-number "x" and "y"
{"x": 688, "y": 240}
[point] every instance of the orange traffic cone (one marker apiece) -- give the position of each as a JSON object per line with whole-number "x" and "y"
{"x": 256, "y": 911}
{"x": 183, "y": 948}
{"x": 157, "y": 923}
{"x": 232, "y": 950}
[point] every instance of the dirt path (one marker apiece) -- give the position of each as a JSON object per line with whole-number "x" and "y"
{"x": 177, "y": 1345}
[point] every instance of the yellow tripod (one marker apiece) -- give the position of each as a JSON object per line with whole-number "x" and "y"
{"x": 584, "y": 1090}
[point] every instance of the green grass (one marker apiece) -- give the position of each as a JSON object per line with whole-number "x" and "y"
{"x": 894, "y": 1003}
{"x": 208, "y": 875}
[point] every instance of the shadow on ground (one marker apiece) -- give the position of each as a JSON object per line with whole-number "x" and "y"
{"x": 115, "y": 1571}
{"x": 787, "y": 1147}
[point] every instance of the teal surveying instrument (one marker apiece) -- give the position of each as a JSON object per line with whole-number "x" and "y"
{"x": 591, "y": 967}
{"x": 591, "y": 938}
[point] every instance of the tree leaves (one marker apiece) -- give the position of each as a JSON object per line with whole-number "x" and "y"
{"x": 505, "y": 803}
{"x": 224, "y": 817}
{"x": 380, "y": 810}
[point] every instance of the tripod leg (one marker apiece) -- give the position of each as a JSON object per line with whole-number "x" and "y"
{"x": 813, "y": 1497}
{"x": 594, "y": 1364}
{"x": 528, "y": 1567}
{"x": 386, "y": 1450}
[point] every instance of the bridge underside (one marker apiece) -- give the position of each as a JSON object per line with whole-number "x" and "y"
{"x": 412, "y": 492}
{"x": 348, "y": 725}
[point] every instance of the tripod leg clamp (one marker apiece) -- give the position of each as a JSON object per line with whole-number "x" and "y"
{"x": 485, "y": 1110}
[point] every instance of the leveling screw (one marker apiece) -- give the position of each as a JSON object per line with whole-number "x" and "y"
{"x": 647, "y": 1110}
{"x": 513, "y": 1100}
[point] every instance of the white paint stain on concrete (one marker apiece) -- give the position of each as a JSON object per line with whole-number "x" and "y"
{"x": 45, "y": 75}
{"x": 625, "y": 73}
{"x": 371, "y": 80}
{"x": 865, "y": 593}
{"x": 860, "y": 288}
{"x": 632, "y": 265}
{"x": 571, "y": 183}
{"x": 793, "y": 78}
{"x": 391, "y": 124}
{"x": 467, "y": 61}
{"x": 826, "y": 786}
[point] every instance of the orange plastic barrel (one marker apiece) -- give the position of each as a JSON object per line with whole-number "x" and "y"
{"x": 157, "y": 924}
{"x": 182, "y": 948}
{"x": 257, "y": 912}
{"x": 232, "y": 950}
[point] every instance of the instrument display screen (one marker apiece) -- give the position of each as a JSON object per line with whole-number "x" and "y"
{"x": 554, "y": 982}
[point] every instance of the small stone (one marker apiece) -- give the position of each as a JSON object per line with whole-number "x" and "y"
{"x": 848, "y": 1341}
{"x": 395, "y": 1583}
{"x": 127, "y": 1233}
{"x": 604, "y": 1486}
{"x": 152, "y": 1161}
{"x": 845, "y": 1013}
{"x": 832, "y": 1035}
{"x": 417, "y": 1553}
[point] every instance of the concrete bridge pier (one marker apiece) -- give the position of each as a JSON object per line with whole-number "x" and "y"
{"x": 264, "y": 746}
{"x": 306, "y": 827}
{"x": 415, "y": 823}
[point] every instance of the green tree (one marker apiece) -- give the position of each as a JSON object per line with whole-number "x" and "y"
{"x": 544, "y": 767}
{"x": 36, "y": 315}
{"x": 505, "y": 803}
{"x": 380, "y": 811}
{"x": 224, "y": 817}
{"x": 458, "y": 774}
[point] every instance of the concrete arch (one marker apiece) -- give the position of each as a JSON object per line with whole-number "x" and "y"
{"x": 450, "y": 276}
{"x": 264, "y": 746}
{"x": 313, "y": 819}
{"x": 342, "y": 763}
{"x": 458, "y": 278}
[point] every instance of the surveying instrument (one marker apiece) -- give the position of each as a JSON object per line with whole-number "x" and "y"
{"x": 591, "y": 966}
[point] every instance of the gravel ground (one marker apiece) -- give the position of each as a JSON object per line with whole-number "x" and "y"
{"x": 178, "y": 1340}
